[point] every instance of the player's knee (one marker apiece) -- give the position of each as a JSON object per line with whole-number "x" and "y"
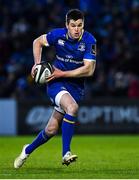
{"x": 72, "y": 108}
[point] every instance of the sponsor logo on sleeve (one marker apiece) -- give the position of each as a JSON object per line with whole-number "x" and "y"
{"x": 93, "y": 49}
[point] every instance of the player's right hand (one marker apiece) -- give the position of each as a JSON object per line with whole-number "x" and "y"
{"x": 56, "y": 74}
{"x": 50, "y": 78}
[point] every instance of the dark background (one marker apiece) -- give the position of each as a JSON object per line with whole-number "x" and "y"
{"x": 115, "y": 25}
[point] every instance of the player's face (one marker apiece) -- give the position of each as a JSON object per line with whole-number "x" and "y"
{"x": 75, "y": 28}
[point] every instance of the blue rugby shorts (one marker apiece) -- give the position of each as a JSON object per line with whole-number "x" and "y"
{"x": 55, "y": 90}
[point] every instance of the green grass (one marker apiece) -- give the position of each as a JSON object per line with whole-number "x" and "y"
{"x": 100, "y": 157}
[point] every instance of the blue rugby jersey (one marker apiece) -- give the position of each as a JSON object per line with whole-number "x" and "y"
{"x": 70, "y": 53}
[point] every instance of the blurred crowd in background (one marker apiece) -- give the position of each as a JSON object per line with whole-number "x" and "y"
{"x": 115, "y": 25}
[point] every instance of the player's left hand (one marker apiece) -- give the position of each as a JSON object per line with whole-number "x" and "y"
{"x": 56, "y": 74}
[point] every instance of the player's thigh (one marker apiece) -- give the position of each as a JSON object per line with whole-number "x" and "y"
{"x": 55, "y": 120}
{"x": 68, "y": 103}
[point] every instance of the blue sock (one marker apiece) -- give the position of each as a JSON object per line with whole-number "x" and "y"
{"x": 67, "y": 131}
{"x": 40, "y": 139}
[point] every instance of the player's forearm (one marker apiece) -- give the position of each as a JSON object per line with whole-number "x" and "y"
{"x": 37, "y": 51}
{"x": 80, "y": 72}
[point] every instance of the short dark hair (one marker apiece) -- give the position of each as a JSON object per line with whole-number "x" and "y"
{"x": 74, "y": 14}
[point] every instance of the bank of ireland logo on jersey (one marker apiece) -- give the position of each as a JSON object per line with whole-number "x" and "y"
{"x": 61, "y": 42}
{"x": 81, "y": 47}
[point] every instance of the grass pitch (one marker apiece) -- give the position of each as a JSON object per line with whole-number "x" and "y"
{"x": 100, "y": 157}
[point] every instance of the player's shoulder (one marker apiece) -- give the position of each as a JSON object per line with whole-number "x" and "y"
{"x": 88, "y": 37}
{"x": 58, "y": 31}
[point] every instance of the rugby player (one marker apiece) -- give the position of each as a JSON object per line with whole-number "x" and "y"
{"x": 74, "y": 61}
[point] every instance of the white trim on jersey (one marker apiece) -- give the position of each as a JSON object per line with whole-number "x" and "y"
{"x": 89, "y": 59}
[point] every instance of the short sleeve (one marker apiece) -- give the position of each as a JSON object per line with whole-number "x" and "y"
{"x": 51, "y": 37}
{"x": 90, "y": 52}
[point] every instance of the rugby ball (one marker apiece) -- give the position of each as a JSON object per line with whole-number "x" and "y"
{"x": 42, "y": 72}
